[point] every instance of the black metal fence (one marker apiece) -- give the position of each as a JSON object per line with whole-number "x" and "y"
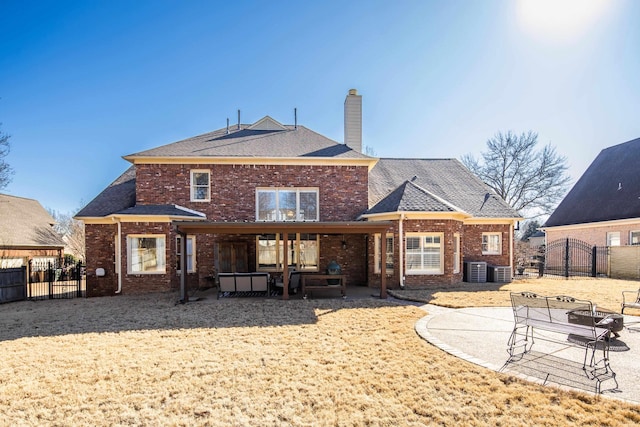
{"x": 566, "y": 258}
{"x": 53, "y": 280}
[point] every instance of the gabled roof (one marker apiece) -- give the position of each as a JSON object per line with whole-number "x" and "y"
{"x": 266, "y": 139}
{"x": 447, "y": 179}
{"x": 408, "y": 197}
{"x": 118, "y": 196}
{"x": 162, "y": 210}
{"x": 24, "y": 222}
{"x": 608, "y": 190}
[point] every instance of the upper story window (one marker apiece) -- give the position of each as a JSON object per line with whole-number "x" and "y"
{"x": 200, "y": 186}
{"x": 634, "y": 238}
{"x": 146, "y": 254}
{"x": 491, "y": 243}
{"x": 287, "y": 204}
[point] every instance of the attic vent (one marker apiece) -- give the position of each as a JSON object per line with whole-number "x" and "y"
{"x": 414, "y": 178}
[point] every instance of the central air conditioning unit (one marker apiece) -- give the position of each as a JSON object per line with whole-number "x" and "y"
{"x": 475, "y": 272}
{"x": 500, "y": 274}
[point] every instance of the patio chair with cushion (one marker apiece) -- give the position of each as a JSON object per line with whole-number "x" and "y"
{"x": 630, "y": 299}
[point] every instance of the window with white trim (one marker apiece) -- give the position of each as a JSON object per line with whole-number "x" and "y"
{"x": 388, "y": 253}
{"x": 191, "y": 251}
{"x": 491, "y": 243}
{"x": 634, "y": 238}
{"x": 287, "y": 204}
{"x": 456, "y": 252}
{"x": 424, "y": 253}
{"x": 200, "y": 186}
{"x": 303, "y": 252}
{"x": 613, "y": 238}
{"x": 146, "y": 254}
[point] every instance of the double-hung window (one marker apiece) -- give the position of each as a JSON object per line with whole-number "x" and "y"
{"x": 287, "y": 204}
{"x": 303, "y": 252}
{"x": 425, "y": 253}
{"x": 383, "y": 251}
{"x": 191, "y": 257}
{"x": 146, "y": 254}
{"x": 200, "y": 186}
{"x": 613, "y": 238}
{"x": 491, "y": 243}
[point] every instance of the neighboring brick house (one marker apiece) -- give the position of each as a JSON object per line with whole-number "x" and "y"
{"x": 230, "y": 199}
{"x": 603, "y": 207}
{"x": 26, "y": 233}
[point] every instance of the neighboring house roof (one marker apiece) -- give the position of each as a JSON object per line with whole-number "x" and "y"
{"x": 608, "y": 190}
{"x": 25, "y": 223}
{"x": 265, "y": 138}
{"x": 118, "y": 196}
{"x": 432, "y": 185}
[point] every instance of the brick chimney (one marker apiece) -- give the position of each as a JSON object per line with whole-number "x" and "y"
{"x": 353, "y": 121}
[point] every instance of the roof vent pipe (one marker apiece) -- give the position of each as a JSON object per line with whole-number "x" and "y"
{"x": 295, "y": 118}
{"x": 238, "y": 119}
{"x": 227, "y": 125}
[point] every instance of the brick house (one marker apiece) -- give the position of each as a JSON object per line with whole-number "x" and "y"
{"x": 603, "y": 207}
{"x": 233, "y": 199}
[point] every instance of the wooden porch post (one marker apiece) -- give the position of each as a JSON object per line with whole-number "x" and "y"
{"x": 383, "y": 265}
{"x": 285, "y": 266}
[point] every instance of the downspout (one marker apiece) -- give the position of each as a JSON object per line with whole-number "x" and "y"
{"x": 401, "y": 247}
{"x": 511, "y": 247}
{"x": 119, "y": 256}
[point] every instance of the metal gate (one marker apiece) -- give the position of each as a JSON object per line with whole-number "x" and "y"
{"x": 13, "y": 284}
{"x": 566, "y": 258}
{"x": 53, "y": 280}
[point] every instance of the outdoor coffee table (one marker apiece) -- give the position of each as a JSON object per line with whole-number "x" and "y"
{"x": 588, "y": 318}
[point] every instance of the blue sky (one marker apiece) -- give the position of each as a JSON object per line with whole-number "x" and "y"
{"x": 83, "y": 83}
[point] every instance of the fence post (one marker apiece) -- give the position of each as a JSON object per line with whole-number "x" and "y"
{"x": 594, "y": 261}
{"x": 50, "y": 273}
{"x": 78, "y": 278}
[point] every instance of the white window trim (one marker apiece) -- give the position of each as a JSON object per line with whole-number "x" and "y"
{"x": 611, "y": 234}
{"x": 456, "y": 253}
{"x": 491, "y": 252}
{"x": 423, "y": 272}
{"x": 377, "y": 249}
{"x": 193, "y": 254}
{"x": 130, "y": 238}
{"x": 192, "y": 187}
{"x": 298, "y": 215}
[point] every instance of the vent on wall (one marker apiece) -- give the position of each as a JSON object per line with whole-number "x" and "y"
{"x": 475, "y": 272}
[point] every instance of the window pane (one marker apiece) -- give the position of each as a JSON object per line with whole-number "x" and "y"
{"x": 635, "y": 237}
{"x": 413, "y": 244}
{"x": 309, "y": 252}
{"x": 308, "y": 205}
{"x": 267, "y": 206}
{"x": 267, "y": 257}
{"x": 287, "y": 205}
{"x": 147, "y": 255}
{"x": 200, "y": 185}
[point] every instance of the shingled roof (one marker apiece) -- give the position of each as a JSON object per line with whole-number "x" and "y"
{"x": 118, "y": 196}
{"x": 608, "y": 190}
{"x": 25, "y": 223}
{"x": 432, "y": 185}
{"x": 265, "y": 138}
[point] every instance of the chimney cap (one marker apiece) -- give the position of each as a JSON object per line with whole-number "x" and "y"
{"x": 353, "y": 91}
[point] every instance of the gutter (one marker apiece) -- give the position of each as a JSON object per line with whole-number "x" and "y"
{"x": 119, "y": 255}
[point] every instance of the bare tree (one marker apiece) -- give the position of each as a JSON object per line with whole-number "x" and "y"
{"x": 5, "y": 170}
{"x": 72, "y": 232}
{"x": 532, "y": 181}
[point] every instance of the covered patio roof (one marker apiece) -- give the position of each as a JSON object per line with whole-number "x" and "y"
{"x": 345, "y": 227}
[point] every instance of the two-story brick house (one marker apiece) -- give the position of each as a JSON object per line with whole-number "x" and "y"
{"x": 232, "y": 200}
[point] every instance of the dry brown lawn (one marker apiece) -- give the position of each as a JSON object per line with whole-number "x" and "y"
{"x": 142, "y": 360}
